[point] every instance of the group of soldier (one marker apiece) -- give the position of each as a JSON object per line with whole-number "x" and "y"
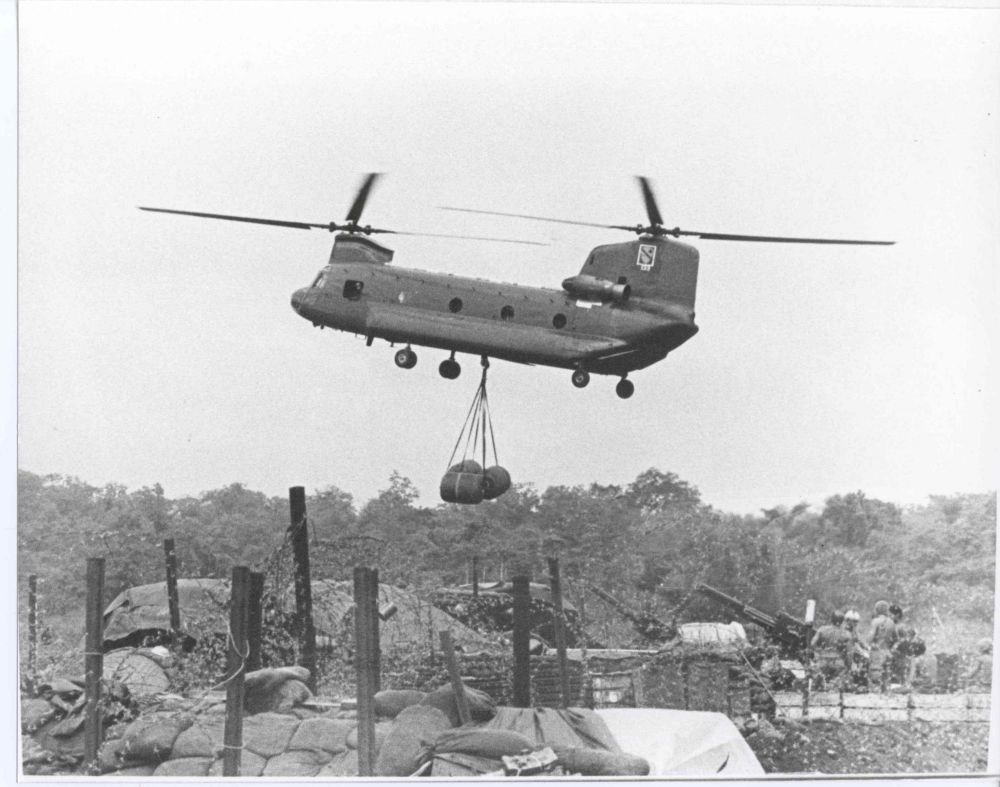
{"x": 892, "y": 653}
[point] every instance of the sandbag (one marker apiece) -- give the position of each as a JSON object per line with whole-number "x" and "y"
{"x": 390, "y": 702}
{"x": 275, "y": 689}
{"x": 36, "y": 713}
{"x": 496, "y": 481}
{"x": 413, "y": 731}
{"x": 466, "y": 488}
{"x": 151, "y": 739}
{"x": 483, "y": 742}
{"x": 481, "y": 705}
{"x": 595, "y": 762}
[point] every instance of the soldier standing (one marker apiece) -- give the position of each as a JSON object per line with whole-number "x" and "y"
{"x": 831, "y": 646}
{"x": 924, "y": 669}
{"x": 881, "y": 641}
{"x": 857, "y": 652}
{"x": 979, "y": 678}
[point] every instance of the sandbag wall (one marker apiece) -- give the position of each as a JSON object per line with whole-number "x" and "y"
{"x": 494, "y": 675}
{"x": 702, "y": 681}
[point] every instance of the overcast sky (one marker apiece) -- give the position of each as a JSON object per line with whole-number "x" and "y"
{"x": 157, "y": 348}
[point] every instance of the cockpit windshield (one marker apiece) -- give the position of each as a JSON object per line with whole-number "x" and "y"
{"x": 321, "y": 278}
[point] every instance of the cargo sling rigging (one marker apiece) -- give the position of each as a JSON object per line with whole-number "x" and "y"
{"x": 469, "y": 481}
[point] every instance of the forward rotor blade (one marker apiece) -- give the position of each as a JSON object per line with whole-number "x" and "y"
{"x": 652, "y": 211}
{"x": 773, "y": 239}
{"x": 359, "y": 201}
{"x": 538, "y": 218}
{"x": 273, "y": 222}
{"x": 458, "y": 237}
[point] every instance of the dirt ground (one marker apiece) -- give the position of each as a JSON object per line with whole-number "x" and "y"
{"x": 833, "y": 747}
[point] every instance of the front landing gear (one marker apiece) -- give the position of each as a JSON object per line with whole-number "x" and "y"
{"x": 625, "y": 388}
{"x": 449, "y": 369}
{"x": 406, "y": 358}
{"x": 580, "y": 378}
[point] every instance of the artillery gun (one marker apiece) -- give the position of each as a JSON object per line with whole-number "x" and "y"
{"x": 790, "y": 634}
{"x": 649, "y": 627}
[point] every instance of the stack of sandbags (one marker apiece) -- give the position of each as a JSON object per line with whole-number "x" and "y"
{"x": 275, "y": 689}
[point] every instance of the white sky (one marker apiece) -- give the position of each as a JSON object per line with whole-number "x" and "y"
{"x": 157, "y": 348}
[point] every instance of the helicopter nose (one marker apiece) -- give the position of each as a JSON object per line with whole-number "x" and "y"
{"x": 298, "y": 298}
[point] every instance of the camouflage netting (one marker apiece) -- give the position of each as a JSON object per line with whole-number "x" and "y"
{"x": 141, "y": 616}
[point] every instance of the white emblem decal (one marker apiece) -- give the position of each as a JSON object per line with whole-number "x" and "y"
{"x": 647, "y": 256}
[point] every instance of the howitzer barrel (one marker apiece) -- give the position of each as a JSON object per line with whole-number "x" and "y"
{"x": 737, "y": 606}
{"x": 648, "y": 626}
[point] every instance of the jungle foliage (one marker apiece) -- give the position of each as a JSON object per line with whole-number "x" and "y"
{"x": 648, "y": 543}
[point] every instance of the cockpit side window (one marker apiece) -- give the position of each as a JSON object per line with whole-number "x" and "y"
{"x": 320, "y": 279}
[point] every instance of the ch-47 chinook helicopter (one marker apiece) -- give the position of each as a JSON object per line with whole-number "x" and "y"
{"x": 629, "y": 306}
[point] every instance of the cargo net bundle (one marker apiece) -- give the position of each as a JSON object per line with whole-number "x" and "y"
{"x": 470, "y": 481}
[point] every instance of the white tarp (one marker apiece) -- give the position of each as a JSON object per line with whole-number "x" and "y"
{"x": 682, "y": 743}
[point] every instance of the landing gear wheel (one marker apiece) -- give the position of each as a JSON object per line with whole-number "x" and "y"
{"x": 406, "y": 358}
{"x": 449, "y": 369}
{"x": 580, "y": 378}
{"x": 624, "y": 389}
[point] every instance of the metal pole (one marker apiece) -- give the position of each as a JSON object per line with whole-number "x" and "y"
{"x": 303, "y": 586}
{"x": 172, "y": 598}
{"x": 475, "y": 577}
{"x": 93, "y": 661}
{"x": 232, "y": 740}
{"x": 559, "y": 623}
{"x": 365, "y": 617}
{"x": 522, "y": 642}
{"x": 32, "y": 631}
{"x": 255, "y": 620}
{"x": 448, "y": 647}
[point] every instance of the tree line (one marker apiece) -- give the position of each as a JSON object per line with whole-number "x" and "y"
{"x": 647, "y": 542}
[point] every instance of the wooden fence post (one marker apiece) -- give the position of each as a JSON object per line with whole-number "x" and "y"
{"x": 236, "y": 655}
{"x": 559, "y": 624}
{"x": 32, "y": 632}
{"x": 457, "y": 687}
{"x": 172, "y": 599}
{"x": 522, "y": 642}
{"x": 365, "y": 663}
{"x": 303, "y": 584}
{"x": 255, "y": 620}
{"x": 94, "y": 662}
{"x": 475, "y": 577}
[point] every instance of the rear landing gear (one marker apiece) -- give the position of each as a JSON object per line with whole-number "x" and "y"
{"x": 625, "y": 388}
{"x": 580, "y": 378}
{"x": 449, "y": 369}
{"x": 406, "y": 358}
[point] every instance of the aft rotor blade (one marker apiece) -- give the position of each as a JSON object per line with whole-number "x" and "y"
{"x": 774, "y": 239}
{"x": 359, "y": 201}
{"x": 652, "y": 211}
{"x": 458, "y": 237}
{"x": 273, "y": 222}
{"x": 539, "y": 218}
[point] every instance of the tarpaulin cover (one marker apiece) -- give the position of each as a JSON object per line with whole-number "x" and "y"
{"x": 682, "y": 743}
{"x": 577, "y": 727}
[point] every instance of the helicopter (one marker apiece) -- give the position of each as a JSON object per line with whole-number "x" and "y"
{"x": 631, "y": 304}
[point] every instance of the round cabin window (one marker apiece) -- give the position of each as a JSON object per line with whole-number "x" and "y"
{"x": 507, "y": 313}
{"x": 559, "y": 321}
{"x": 455, "y": 305}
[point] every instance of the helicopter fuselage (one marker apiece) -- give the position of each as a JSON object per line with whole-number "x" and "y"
{"x": 364, "y": 295}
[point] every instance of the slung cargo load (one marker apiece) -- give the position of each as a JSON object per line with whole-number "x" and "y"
{"x": 470, "y": 481}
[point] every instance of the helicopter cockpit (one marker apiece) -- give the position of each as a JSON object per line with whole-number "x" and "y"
{"x": 320, "y": 281}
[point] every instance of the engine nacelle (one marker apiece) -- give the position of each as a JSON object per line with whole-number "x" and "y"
{"x": 593, "y": 289}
